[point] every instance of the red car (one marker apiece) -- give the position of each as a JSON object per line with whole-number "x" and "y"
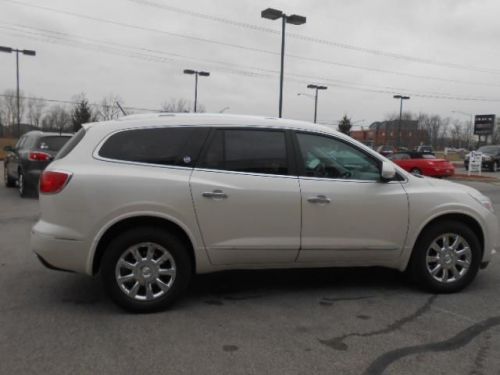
{"x": 423, "y": 163}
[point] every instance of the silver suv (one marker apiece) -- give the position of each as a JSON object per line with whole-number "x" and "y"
{"x": 146, "y": 201}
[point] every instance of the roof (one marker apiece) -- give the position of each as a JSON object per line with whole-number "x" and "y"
{"x": 42, "y": 133}
{"x": 211, "y": 119}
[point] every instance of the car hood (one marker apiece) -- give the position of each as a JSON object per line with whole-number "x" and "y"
{"x": 448, "y": 185}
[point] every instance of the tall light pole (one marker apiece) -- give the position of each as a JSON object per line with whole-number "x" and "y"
{"x": 316, "y": 88}
{"x": 196, "y": 74}
{"x": 294, "y": 19}
{"x": 401, "y": 98}
{"x": 24, "y": 52}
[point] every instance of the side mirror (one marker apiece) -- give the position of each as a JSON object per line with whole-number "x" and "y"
{"x": 8, "y": 149}
{"x": 388, "y": 171}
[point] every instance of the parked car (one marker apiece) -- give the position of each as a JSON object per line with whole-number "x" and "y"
{"x": 423, "y": 164}
{"x": 147, "y": 200}
{"x": 385, "y": 150}
{"x": 491, "y": 158}
{"x": 425, "y": 148}
{"x": 25, "y": 162}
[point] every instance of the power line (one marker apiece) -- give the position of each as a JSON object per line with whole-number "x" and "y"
{"x": 75, "y": 102}
{"x": 225, "y": 44}
{"x": 232, "y": 69}
{"x": 318, "y": 40}
{"x": 310, "y": 59}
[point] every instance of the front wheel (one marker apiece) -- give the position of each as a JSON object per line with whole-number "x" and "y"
{"x": 146, "y": 269}
{"x": 446, "y": 257}
{"x": 8, "y": 181}
{"x": 416, "y": 171}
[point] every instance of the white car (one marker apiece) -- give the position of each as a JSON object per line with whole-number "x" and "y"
{"x": 148, "y": 200}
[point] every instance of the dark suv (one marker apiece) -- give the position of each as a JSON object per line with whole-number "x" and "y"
{"x": 26, "y": 161}
{"x": 491, "y": 158}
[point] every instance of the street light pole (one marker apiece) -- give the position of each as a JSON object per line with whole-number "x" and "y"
{"x": 316, "y": 88}
{"x": 294, "y": 19}
{"x": 24, "y": 52}
{"x": 196, "y": 74}
{"x": 401, "y": 98}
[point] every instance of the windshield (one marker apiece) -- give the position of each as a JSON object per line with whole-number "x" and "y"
{"x": 489, "y": 149}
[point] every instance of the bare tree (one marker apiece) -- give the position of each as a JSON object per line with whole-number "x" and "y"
{"x": 457, "y": 134}
{"x": 176, "y": 105}
{"x": 9, "y": 108}
{"x": 108, "y": 109}
{"x": 34, "y": 111}
{"x": 57, "y": 118}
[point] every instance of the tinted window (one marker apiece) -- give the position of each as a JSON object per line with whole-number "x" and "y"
{"x": 71, "y": 144}
{"x": 20, "y": 143}
{"x": 252, "y": 151}
{"x": 52, "y": 143}
{"x": 331, "y": 158}
{"x": 166, "y": 146}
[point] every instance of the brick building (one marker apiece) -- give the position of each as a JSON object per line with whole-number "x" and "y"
{"x": 386, "y": 133}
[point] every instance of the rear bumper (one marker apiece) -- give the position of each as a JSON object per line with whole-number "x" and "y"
{"x": 32, "y": 177}
{"x": 59, "y": 253}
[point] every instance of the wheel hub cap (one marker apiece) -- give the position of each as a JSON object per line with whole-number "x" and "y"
{"x": 145, "y": 271}
{"x": 448, "y": 258}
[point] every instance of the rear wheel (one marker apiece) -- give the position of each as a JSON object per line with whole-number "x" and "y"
{"x": 446, "y": 257}
{"x": 416, "y": 171}
{"x": 146, "y": 269}
{"x": 21, "y": 185}
{"x": 8, "y": 181}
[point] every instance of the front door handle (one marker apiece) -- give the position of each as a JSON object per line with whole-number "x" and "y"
{"x": 216, "y": 194}
{"x": 321, "y": 199}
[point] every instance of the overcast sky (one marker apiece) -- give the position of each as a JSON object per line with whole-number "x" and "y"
{"x": 439, "y": 52}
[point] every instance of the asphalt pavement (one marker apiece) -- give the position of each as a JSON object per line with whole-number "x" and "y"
{"x": 333, "y": 321}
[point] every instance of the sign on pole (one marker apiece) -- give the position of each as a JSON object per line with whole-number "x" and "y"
{"x": 484, "y": 124}
{"x": 475, "y": 162}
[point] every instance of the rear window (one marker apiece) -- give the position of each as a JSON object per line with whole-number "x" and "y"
{"x": 249, "y": 150}
{"x": 52, "y": 143}
{"x": 71, "y": 144}
{"x": 179, "y": 146}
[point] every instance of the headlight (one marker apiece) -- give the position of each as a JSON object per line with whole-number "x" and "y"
{"x": 483, "y": 201}
{"x": 486, "y": 158}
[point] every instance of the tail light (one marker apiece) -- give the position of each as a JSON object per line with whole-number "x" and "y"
{"x": 39, "y": 156}
{"x": 52, "y": 182}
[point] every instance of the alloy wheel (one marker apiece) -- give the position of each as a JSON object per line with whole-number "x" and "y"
{"x": 145, "y": 271}
{"x": 20, "y": 184}
{"x": 448, "y": 258}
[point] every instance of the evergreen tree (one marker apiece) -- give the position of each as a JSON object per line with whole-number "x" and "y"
{"x": 81, "y": 114}
{"x": 345, "y": 125}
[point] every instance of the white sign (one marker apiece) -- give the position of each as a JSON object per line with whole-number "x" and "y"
{"x": 475, "y": 162}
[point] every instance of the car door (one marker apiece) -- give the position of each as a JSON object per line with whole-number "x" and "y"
{"x": 13, "y": 157}
{"x": 246, "y": 198}
{"x": 348, "y": 214}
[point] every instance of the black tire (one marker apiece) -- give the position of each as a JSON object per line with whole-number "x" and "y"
{"x": 9, "y": 181}
{"x": 416, "y": 171}
{"x": 21, "y": 185}
{"x": 494, "y": 166}
{"x": 175, "y": 247}
{"x": 418, "y": 263}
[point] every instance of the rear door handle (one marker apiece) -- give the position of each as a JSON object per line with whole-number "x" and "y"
{"x": 321, "y": 199}
{"x": 216, "y": 194}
